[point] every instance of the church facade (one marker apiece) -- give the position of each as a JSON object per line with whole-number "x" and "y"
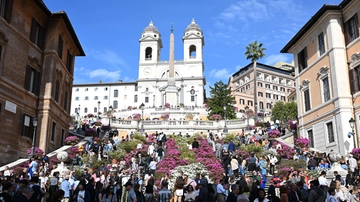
{"x": 175, "y": 82}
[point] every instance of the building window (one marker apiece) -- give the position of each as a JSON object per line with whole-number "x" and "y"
{"x": 261, "y": 104}
{"x": 95, "y": 109}
{"x": 135, "y": 98}
{"x": 53, "y": 131}
{"x": 354, "y": 77}
{"x": 86, "y": 89}
{"x": 65, "y": 100}
{"x": 116, "y": 93}
{"x": 250, "y": 103}
{"x": 267, "y": 86}
{"x": 6, "y": 9}
{"x": 105, "y": 89}
{"x": 86, "y": 98}
{"x": 283, "y": 98}
{"x": 192, "y": 98}
{"x": 326, "y": 89}
{"x": 76, "y": 98}
{"x": 32, "y": 80}
{"x": 275, "y": 87}
{"x": 311, "y": 138}
{"x": 268, "y": 105}
{"x": 242, "y": 89}
{"x": 60, "y": 47}
{"x": 288, "y": 90}
{"x": 260, "y": 84}
{"x": 105, "y": 109}
{"x": 136, "y": 87}
{"x": 96, "y": 97}
{"x": 105, "y": 97}
{"x": 351, "y": 29}
{"x": 242, "y": 101}
{"x": 115, "y": 104}
{"x": 307, "y": 99}
{"x": 302, "y": 59}
{"x": 37, "y": 34}
{"x": 146, "y": 99}
{"x": 276, "y": 97}
{"x": 247, "y": 86}
{"x": 330, "y": 132}
{"x": 77, "y": 90}
{"x": 57, "y": 90}
{"x": 321, "y": 44}
{"x": 95, "y": 89}
{"x": 69, "y": 62}
{"x": 62, "y": 136}
{"x": 282, "y": 89}
{"x": 28, "y": 128}
{"x": 260, "y": 94}
{"x": 85, "y": 110}
{"x": 268, "y": 95}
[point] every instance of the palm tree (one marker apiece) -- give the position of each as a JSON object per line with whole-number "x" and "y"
{"x": 255, "y": 51}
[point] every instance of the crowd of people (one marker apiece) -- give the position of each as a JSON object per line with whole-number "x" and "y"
{"x": 254, "y": 178}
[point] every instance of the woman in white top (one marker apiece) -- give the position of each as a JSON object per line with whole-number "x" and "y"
{"x": 6, "y": 171}
{"x": 190, "y": 195}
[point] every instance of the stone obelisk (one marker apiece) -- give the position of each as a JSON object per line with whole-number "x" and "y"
{"x": 171, "y": 91}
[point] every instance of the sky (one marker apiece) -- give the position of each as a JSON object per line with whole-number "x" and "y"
{"x": 109, "y": 32}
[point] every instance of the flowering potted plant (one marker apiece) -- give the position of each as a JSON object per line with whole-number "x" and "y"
{"x": 302, "y": 142}
{"x": 90, "y": 115}
{"x": 165, "y": 116}
{"x": 91, "y": 132}
{"x": 167, "y": 105}
{"x": 136, "y": 116}
{"x": 37, "y": 152}
{"x": 355, "y": 152}
{"x": 205, "y": 106}
{"x": 98, "y": 140}
{"x": 215, "y": 117}
{"x": 274, "y": 134}
{"x": 104, "y": 127}
{"x": 71, "y": 140}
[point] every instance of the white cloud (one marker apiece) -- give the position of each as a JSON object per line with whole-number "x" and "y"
{"x": 272, "y": 59}
{"x": 79, "y": 69}
{"x": 237, "y": 68}
{"x": 105, "y": 74}
{"x": 220, "y": 74}
{"x": 247, "y": 10}
{"x": 110, "y": 57}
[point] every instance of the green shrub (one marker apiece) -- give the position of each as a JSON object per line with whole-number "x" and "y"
{"x": 138, "y": 136}
{"x": 117, "y": 154}
{"x": 129, "y": 145}
{"x": 252, "y": 148}
{"x": 96, "y": 163}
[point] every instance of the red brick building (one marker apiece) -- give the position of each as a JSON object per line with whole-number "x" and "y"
{"x": 37, "y": 52}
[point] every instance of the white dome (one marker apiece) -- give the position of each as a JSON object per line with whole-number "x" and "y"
{"x": 193, "y": 26}
{"x": 151, "y": 28}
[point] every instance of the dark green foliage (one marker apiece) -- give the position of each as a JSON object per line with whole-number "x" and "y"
{"x": 220, "y": 95}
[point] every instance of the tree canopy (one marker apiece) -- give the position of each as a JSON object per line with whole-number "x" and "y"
{"x": 220, "y": 96}
{"x": 284, "y": 111}
{"x": 254, "y": 51}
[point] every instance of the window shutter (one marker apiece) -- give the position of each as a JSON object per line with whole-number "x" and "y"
{"x": 353, "y": 81}
{"x": 37, "y": 83}
{"x": 41, "y": 39}
{"x": 356, "y": 21}
{"x": 33, "y": 30}
{"x": 27, "y": 78}
{"x": 8, "y": 10}
{"x": 305, "y": 57}
{"x": 347, "y": 33}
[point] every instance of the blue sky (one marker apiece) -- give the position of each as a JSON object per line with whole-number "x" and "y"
{"x": 109, "y": 32}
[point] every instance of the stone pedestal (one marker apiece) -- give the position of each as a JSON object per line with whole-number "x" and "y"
{"x": 61, "y": 168}
{"x": 334, "y": 158}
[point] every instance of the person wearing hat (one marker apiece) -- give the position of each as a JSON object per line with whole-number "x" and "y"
{"x": 66, "y": 187}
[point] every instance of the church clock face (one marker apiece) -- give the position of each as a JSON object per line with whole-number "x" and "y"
{"x": 147, "y": 71}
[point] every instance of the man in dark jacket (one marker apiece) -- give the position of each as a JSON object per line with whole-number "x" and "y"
{"x": 316, "y": 194}
{"x": 350, "y": 178}
{"x": 195, "y": 144}
{"x": 233, "y": 194}
{"x": 294, "y": 195}
{"x": 27, "y": 192}
{"x": 203, "y": 193}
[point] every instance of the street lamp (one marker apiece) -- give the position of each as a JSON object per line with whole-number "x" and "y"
{"x": 99, "y": 107}
{"x": 225, "y": 126}
{"x": 247, "y": 117}
{"x": 352, "y": 133}
{"x": 110, "y": 117}
{"x": 35, "y": 122}
{"x": 142, "y": 117}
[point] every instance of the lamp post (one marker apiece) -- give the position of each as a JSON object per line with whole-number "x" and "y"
{"x": 352, "y": 125}
{"x": 110, "y": 117}
{"x": 35, "y": 122}
{"x": 225, "y": 126}
{"x": 142, "y": 117}
{"x": 247, "y": 116}
{"x": 99, "y": 107}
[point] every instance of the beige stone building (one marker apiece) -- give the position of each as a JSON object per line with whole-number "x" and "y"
{"x": 273, "y": 84}
{"x": 37, "y": 52}
{"x": 327, "y": 72}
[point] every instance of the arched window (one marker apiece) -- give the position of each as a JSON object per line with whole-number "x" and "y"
{"x": 116, "y": 93}
{"x": 105, "y": 109}
{"x": 166, "y": 74}
{"x": 192, "y": 51}
{"x": 85, "y": 110}
{"x": 148, "y": 53}
{"x": 261, "y": 105}
{"x": 95, "y": 109}
{"x": 115, "y": 104}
